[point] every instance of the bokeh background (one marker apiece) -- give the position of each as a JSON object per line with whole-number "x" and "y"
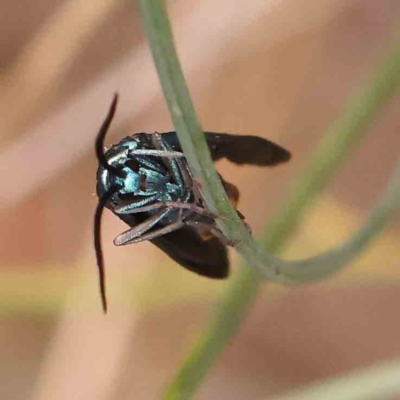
{"x": 273, "y": 68}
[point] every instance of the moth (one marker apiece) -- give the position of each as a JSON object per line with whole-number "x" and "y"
{"x": 145, "y": 181}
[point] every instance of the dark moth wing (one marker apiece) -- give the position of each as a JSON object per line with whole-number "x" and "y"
{"x": 186, "y": 247}
{"x": 244, "y": 149}
{"x": 239, "y": 149}
{"x": 204, "y": 257}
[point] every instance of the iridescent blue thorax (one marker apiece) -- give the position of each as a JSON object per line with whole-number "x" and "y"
{"x": 144, "y": 179}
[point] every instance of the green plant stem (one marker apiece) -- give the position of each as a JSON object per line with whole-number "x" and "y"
{"x": 344, "y": 135}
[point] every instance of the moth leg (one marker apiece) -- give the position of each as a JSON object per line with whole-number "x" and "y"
{"x": 170, "y": 163}
{"x": 167, "y": 204}
{"x": 157, "y": 153}
{"x": 179, "y": 170}
{"x": 135, "y": 205}
{"x": 192, "y": 207}
{"x": 157, "y": 232}
{"x": 126, "y": 209}
{"x": 140, "y": 229}
{"x": 178, "y": 167}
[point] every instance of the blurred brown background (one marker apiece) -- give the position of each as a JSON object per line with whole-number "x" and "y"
{"x": 271, "y": 68}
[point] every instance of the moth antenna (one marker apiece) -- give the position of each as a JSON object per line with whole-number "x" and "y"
{"x": 97, "y": 244}
{"x": 99, "y": 144}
